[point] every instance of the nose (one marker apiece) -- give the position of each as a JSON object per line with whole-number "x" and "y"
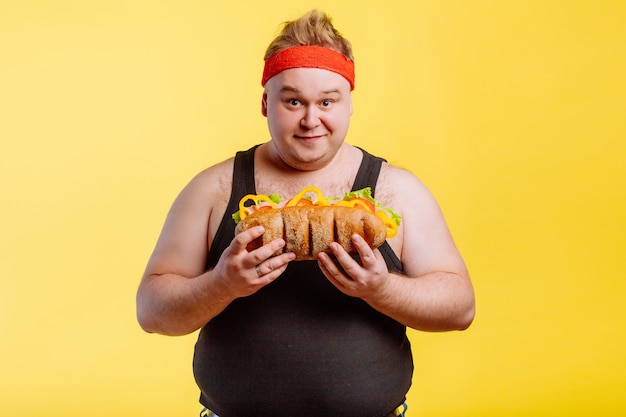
{"x": 310, "y": 119}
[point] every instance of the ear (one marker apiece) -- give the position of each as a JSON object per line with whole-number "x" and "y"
{"x": 264, "y": 104}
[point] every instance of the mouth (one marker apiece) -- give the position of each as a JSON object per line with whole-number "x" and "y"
{"x": 309, "y": 137}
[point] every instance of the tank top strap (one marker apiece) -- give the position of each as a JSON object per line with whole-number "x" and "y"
{"x": 367, "y": 175}
{"x": 243, "y": 183}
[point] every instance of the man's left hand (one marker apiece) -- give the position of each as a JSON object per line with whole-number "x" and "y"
{"x": 365, "y": 280}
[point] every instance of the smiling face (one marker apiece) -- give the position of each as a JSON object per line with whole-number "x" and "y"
{"x": 308, "y": 112}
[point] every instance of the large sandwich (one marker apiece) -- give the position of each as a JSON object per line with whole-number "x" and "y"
{"x": 309, "y": 222}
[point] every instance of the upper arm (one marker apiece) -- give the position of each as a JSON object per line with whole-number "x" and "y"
{"x": 425, "y": 240}
{"x": 183, "y": 244}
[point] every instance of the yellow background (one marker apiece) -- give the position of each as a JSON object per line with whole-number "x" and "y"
{"x": 512, "y": 112}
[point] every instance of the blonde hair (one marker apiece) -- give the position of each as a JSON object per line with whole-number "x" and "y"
{"x": 314, "y": 28}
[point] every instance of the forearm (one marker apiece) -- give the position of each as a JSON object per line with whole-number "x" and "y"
{"x": 438, "y": 301}
{"x": 174, "y": 305}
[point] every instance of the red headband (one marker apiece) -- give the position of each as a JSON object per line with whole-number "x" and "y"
{"x": 309, "y": 57}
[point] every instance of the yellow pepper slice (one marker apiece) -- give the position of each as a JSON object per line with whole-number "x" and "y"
{"x": 390, "y": 224}
{"x": 243, "y": 210}
{"x": 321, "y": 200}
{"x": 352, "y": 203}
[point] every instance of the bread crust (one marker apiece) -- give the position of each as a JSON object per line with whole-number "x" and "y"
{"x": 309, "y": 230}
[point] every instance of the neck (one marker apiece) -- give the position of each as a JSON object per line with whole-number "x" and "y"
{"x": 270, "y": 154}
{"x": 273, "y": 174}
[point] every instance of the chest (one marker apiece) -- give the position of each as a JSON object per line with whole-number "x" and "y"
{"x": 290, "y": 189}
{"x": 331, "y": 183}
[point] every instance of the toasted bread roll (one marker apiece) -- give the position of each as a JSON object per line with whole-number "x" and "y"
{"x": 271, "y": 220}
{"x": 309, "y": 230}
{"x": 322, "y": 225}
{"x": 296, "y": 237}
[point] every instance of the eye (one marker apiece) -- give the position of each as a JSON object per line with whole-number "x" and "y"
{"x": 294, "y": 102}
{"x": 326, "y": 103}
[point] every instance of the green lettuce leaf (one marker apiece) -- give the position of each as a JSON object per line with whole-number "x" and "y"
{"x": 366, "y": 193}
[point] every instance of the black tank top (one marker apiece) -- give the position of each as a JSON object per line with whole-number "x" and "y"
{"x": 300, "y": 347}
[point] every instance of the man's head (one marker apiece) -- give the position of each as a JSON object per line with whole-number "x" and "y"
{"x": 314, "y": 28}
{"x": 310, "y": 42}
{"x": 308, "y": 79}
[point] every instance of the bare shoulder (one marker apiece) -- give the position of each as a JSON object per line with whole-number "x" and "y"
{"x": 210, "y": 186}
{"x": 216, "y": 178}
{"x": 205, "y": 196}
{"x": 183, "y": 243}
{"x": 209, "y": 192}
{"x": 398, "y": 187}
{"x": 423, "y": 242}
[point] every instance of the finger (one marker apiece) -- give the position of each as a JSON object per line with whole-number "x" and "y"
{"x": 273, "y": 248}
{"x": 326, "y": 264}
{"x": 365, "y": 252}
{"x": 346, "y": 263}
{"x": 242, "y": 240}
{"x": 332, "y": 272}
{"x": 331, "y": 267}
{"x": 339, "y": 252}
{"x": 274, "y": 266}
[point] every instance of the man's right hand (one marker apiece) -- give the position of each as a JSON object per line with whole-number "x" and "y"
{"x": 241, "y": 272}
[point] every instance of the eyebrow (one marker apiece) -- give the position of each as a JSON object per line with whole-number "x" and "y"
{"x": 290, "y": 89}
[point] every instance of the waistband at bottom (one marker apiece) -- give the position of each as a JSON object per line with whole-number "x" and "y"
{"x": 398, "y": 412}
